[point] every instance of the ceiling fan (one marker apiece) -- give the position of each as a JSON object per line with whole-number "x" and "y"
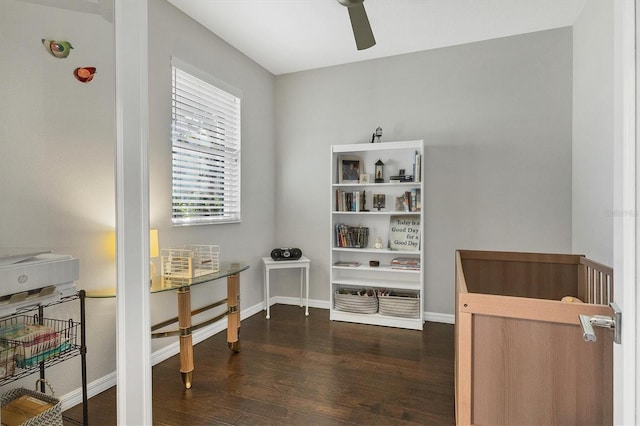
{"x": 360, "y": 23}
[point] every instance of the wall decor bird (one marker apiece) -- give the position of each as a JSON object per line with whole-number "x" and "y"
{"x": 59, "y": 49}
{"x": 84, "y": 74}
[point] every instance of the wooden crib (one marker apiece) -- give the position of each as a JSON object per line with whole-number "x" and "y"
{"x": 520, "y": 353}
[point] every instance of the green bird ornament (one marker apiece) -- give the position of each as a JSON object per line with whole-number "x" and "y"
{"x": 59, "y": 49}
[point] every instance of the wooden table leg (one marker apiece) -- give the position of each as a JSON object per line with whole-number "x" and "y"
{"x": 186, "y": 342}
{"x": 233, "y": 317}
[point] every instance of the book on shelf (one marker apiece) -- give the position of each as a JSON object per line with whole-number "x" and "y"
{"x": 417, "y": 166}
{"x": 401, "y": 179}
{"x": 410, "y": 263}
{"x": 347, "y": 264}
{"x": 411, "y": 200}
{"x": 415, "y": 200}
{"x": 349, "y": 201}
{"x": 351, "y": 236}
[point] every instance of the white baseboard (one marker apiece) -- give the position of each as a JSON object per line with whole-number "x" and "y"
{"x": 437, "y": 317}
{"x": 95, "y": 387}
{"x": 324, "y": 304}
{"x": 74, "y": 397}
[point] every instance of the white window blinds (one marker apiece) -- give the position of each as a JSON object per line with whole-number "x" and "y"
{"x": 206, "y": 150}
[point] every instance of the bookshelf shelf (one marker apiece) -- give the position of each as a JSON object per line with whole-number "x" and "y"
{"x": 399, "y": 223}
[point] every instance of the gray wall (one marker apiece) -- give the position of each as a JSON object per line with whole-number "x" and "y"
{"x": 57, "y": 143}
{"x": 593, "y": 132}
{"x": 496, "y": 119}
{"x": 173, "y": 33}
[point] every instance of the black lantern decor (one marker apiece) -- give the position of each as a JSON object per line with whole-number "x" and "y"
{"x": 379, "y": 172}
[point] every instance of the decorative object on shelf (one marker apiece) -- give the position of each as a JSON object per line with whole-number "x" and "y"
{"x": 379, "y": 201}
{"x": 404, "y": 233}
{"x": 84, "y": 74}
{"x": 378, "y": 243}
{"x": 58, "y": 49}
{"x": 349, "y": 169}
{"x": 377, "y": 135}
{"x": 379, "y": 172}
{"x": 400, "y": 178}
{"x": 347, "y": 264}
{"x": 190, "y": 262}
{"x": 374, "y": 263}
{"x": 364, "y": 178}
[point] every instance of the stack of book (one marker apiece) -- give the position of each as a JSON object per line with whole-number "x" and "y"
{"x": 348, "y": 201}
{"x": 412, "y": 200}
{"x": 408, "y": 263}
{"x": 351, "y": 236}
{"x": 400, "y": 178}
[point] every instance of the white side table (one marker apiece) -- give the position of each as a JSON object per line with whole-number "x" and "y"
{"x": 304, "y": 263}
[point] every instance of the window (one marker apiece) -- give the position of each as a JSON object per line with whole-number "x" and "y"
{"x": 205, "y": 148}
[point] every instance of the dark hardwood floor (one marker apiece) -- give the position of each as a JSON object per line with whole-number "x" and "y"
{"x": 301, "y": 370}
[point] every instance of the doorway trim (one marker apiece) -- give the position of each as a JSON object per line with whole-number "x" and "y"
{"x": 625, "y": 196}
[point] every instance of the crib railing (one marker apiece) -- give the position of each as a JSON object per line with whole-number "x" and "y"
{"x": 595, "y": 282}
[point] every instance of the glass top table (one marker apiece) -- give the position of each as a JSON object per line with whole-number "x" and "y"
{"x": 182, "y": 286}
{"x": 160, "y": 284}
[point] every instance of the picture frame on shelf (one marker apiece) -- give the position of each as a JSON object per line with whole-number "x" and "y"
{"x": 349, "y": 169}
{"x": 379, "y": 201}
{"x": 364, "y": 178}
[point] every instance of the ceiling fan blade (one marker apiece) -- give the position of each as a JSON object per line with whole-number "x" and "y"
{"x": 361, "y": 27}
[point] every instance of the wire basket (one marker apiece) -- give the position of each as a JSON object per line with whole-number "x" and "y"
{"x": 7, "y": 359}
{"x": 191, "y": 261}
{"x": 35, "y": 339}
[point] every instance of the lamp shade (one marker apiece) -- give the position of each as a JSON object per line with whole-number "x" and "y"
{"x": 154, "y": 251}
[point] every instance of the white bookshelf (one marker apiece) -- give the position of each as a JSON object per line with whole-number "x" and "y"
{"x": 395, "y": 156}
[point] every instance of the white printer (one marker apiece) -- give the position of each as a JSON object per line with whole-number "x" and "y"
{"x": 30, "y": 278}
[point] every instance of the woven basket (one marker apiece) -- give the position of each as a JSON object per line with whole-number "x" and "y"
{"x": 399, "y": 306}
{"x": 50, "y": 417}
{"x": 355, "y": 303}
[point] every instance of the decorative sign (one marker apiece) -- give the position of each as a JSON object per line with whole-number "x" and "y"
{"x": 404, "y": 232}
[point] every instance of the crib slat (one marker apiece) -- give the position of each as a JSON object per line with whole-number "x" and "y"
{"x": 597, "y": 279}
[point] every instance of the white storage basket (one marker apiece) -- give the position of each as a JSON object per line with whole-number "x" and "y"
{"x": 364, "y": 303}
{"x": 191, "y": 261}
{"x": 405, "y": 306}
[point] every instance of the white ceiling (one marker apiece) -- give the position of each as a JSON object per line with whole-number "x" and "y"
{"x": 293, "y": 35}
